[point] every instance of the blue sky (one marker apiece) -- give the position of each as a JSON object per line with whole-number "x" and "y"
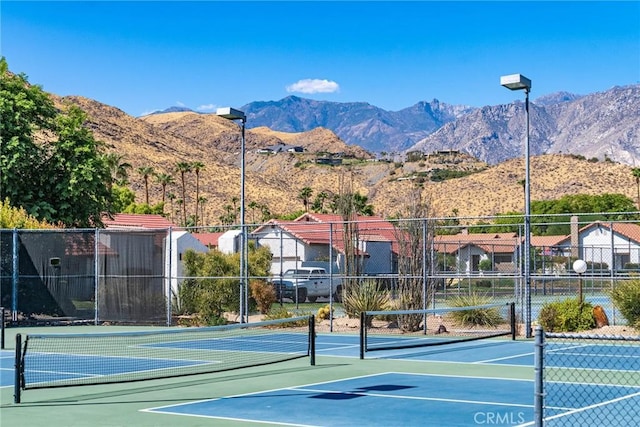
{"x": 150, "y": 55}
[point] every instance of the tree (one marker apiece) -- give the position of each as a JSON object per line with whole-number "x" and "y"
{"x": 183, "y": 168}
{"x": 11, "y": 217}
{"x": 356, "y": 201}
{"x": 202, "y": 201}
{"x": 171, "y": 197}
{"x": 305, "y": 195}
{"x": 146, "y": 172}
{"x": 118, "y": 169}
{"x": 164, "y": 179}
{"x": 196, "y": 167}
{"x": 217, "y": 290}
{"x": 318, "y": 202}
{"x": 636, "y": 175}
{"x": 414, "y": 238}
{"x": 77, "y": 173}
{"x": 62, "y": 178}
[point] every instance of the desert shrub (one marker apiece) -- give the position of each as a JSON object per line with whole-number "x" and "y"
{"x": 324, "y": 312}
{"x": 364, "y": 295}
{"x": 568, "y": 315}
{"x": 475, "y": 316}
{"x": 282, "y": 313}
{"x": 626, "y": 298}
{"x": 278, "y": 312}
{"x": 263, "y": 293}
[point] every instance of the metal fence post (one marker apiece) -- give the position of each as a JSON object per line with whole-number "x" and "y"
{"x": 538, "y": 402}
{"x": 18, "y": 370}
{"x": 15, "y": 275}
{"x": 96, "y": 276}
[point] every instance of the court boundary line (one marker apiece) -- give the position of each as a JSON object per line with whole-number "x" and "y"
{"x": 306, "y": 387}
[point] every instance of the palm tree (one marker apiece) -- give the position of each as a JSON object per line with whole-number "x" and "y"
{"x": 146, "y": 171}
{"x": 118, "y": 168}
{"x": 304, "y": 195}
{"x": 171, "y": 197}
{"x": 164, "y": 179}
{"x": 202, "y": 200}
{"x": 183, "y": 168}
{"x": 636, "y": 174}
{"x": 318, "y": 203}
{"x": 196, "y": 167}
{"x": 253, "y": 206}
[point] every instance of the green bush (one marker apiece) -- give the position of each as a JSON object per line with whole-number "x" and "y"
{"x": 569, "y": 315}
{"x": 485, "y": 264}
{"x": 475, "y": 316}
{"x": 626, "y": 298}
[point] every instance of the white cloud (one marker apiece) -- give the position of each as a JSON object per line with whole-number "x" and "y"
{"x": 180, "y": 104}
{"x": 314, "y": 86}
{"x": 207, "y": 107}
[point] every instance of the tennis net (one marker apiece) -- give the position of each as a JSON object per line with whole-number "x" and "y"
{"x": 60, "y": 360}
{"x": 399, "y": 329}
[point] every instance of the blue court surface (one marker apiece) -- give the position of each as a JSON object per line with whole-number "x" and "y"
{"x": 401, "y": 399}
{"x": 388, "y": 398}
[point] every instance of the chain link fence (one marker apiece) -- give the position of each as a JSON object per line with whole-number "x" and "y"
{"x": 132, "y": 275}
{"x": 587, "y": 379}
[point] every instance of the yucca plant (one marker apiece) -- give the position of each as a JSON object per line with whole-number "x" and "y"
{"x": 475, "y": 316}
{"x": 365, "y": 295}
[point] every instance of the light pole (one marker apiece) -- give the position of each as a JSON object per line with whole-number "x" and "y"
{"x": 520, "y": 82}
{"x": 580, "y": 267}
{"x": 233, "y": 114}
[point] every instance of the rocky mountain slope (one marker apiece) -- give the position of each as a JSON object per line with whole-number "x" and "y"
{"x": 601, "y": 125}
{"x": 275, "y": 181}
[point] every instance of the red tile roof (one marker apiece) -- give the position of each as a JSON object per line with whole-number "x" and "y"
{"x": 208, "y": 239}
{"x": 317, "y": 228}
{"x": 488, "y": 242}
{"x": 122, "y": 220}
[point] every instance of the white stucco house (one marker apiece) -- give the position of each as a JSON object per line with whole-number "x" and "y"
{"x": 603, "y": 245}
{"x": 318, "y": 239}
{"x": 606, "y": 244}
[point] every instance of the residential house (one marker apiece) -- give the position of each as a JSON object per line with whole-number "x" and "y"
{"x": 605, "y": 244}
{"x": 319, "y": 239}
{"x": 469, "y": 249}
{"x": 281, "y": 148}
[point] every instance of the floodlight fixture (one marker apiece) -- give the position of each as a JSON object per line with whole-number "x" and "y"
{"x": 233, "y": 114}
{"x": 520, "y": 82}
{"x": 516, "y": 82}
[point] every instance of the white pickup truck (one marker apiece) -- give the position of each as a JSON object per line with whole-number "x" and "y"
{"x": 307, "y": 283}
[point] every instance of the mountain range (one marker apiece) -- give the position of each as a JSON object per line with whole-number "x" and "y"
{"x": 603, "y": 125}
{"x": 577, "y": 125}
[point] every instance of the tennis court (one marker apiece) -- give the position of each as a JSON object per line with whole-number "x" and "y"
{"x": 483, "y": 382}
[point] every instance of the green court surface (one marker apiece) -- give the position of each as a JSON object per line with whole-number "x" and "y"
{"x": 334, "y": 386}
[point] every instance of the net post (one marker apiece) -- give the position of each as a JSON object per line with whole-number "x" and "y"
{"x": 363, "y": 332}
{"x": 2, "y": 329}
{"x": 512, "y": 319}
{"x": 538, "y": 409}
{"x": 18, "y": 369}
{"x": 312, "y": 339}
